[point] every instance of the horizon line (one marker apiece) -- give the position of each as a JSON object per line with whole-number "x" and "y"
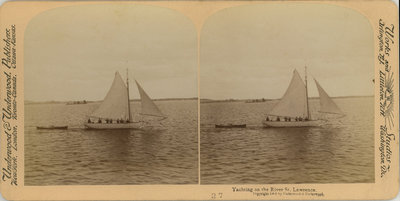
{"x": 189, "y": 98}
{"x": 91, "y": 101}
{"x": 311, "y": 97}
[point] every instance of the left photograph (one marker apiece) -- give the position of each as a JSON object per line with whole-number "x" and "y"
{"x": 110, "y": 96}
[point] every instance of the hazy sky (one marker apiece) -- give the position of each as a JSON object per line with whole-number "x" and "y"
{"x": 251, "y": 51}
{"x": 72, "y": 53}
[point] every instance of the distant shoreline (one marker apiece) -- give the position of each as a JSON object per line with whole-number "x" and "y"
{"x": 78, "y": 102}
{"x": 202, "y": 100}
{"x": 260, "y": 100}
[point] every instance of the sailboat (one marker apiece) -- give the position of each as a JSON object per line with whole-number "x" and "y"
{"x": 293, "y": 109}
{"x": 115, "y": 110}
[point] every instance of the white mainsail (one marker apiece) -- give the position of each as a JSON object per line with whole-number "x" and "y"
{"x": 294, "y": 101}
{"x": 326, "y": 103}
{"x": 115, "y": 104}
{"x": 148, "y": 106}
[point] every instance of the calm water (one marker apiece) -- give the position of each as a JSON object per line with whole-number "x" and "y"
{"x": 341, "y": 151}
{"x": 165, "y": 154}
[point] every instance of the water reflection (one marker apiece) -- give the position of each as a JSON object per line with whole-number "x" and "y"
{"x": 77, "y": 156}
{"x": 340, "y": 151}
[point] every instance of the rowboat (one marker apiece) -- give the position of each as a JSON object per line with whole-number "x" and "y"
{"x": 52, "y": 127}
{"x": 230, "y": 125}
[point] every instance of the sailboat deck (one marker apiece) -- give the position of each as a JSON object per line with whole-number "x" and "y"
{"x": 277, "y": 124}
{"x": 133, "y": 125}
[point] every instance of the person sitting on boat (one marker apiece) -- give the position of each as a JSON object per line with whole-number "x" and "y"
{"x": 278, "y": 119}
{"x": 89, "y": 121}
{"x": 289, "y": 119}
{"x": 99, "y": 121}
{"x": 296, "y": 119}
{"x": 267, "y": 119}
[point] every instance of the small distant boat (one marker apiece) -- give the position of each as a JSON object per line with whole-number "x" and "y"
{"x": 77, "y": 102}
{"x": 292, "y": 110}
{"x": 256, "y": 100}
{"x": 230, "y": 125}
{"x": 115, "y": 110}
{"x": 52, "y": 127}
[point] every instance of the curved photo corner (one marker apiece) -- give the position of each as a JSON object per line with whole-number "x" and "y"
{"x": 110, "y": 96}
{"x": 287, "y": 95}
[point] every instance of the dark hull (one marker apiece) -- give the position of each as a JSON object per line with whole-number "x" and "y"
{"x": 52, "y": 127}
{"x": 230, "y": 125}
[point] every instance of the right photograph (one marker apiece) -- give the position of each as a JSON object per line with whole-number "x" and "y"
{"x": 286, "y": 95}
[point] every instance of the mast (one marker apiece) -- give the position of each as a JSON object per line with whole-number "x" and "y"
{"x": 127, "y": 88}
{"x": 308, "y": 110}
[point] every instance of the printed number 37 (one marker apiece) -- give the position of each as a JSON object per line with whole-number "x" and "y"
{"x": 215, "y": 195}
